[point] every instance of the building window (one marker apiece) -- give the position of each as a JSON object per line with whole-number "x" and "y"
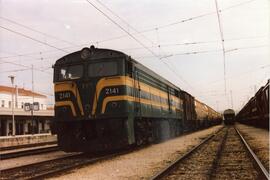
{"x": 22, "y": 105}
{"x": 3, "y": 103}
{"x": 43, "y": 126}
{"x": 41, "y": 106}
{"x": 9, "y": 129}
{"x": 29, "y": 127}
{"x": 9, "y": 104}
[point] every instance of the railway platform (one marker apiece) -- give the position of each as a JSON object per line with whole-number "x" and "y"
{"x": 19, "y": 141}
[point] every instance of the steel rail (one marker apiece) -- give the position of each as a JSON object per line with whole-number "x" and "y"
{"x": 27, "y": 145}
{"x": 258, "y": 163}
{"x": 168, "y": 168}
{"x": 18, "y": 168}
{"x": 67, "y": 163}
{"x": 70, "y": 167}
{"x": 12, "y": 173}
{"x": 27, "y": 152}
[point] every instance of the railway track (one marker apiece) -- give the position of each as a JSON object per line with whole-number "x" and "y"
{"x": 27, "y": 146}
{"x": 57, "y": 166}
{"x": 27, "y": 152}
{"x": 225, "y": 155}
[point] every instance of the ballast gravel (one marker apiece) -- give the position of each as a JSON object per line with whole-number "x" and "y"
{"x": 258, "y": 140}
{"x": 143, "y": 163}
{"x": 25, "y": 160}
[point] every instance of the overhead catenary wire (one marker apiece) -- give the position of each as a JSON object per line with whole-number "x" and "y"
{"x": 23, "y": 65}
{"x": 16, "y": 55}
{"x": 184, "y": 20}
{"x": 236, "y": 5}
{"x": 136, "y": 48}
{"x": 31, "y": 60}
{"x": 176, "y": 54}
{"x": 176, "y": 22}
{"x": 188, "y": 19}
{"x": 192, "y": 18}
{"x": 16, "y": 70}
{"x": 29, "y": 67}
{"x": 153, "y": 29}
{"x": 33, "y": 39}
{"x": 194, "y": 43}
{"x": 133, "y": 37}
{"x": 237, "y": 76}
{"x": 208, "y": 51}
{"x": 128, "y": 24}
{"x": 31, "y": 57}
{"x": 171, "y": 55}
{"x": 168, "y": 56}
{"x": 123, "y": 29}
{"x": 26, "y": 69}
{"x": 34, "y": 30}
{"x": 123, "y": 20}
{"x": 189, "y": 53}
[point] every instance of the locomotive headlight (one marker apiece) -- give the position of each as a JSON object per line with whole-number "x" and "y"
{"x": 85, "y": 53}
{"x": 114, "y": 104}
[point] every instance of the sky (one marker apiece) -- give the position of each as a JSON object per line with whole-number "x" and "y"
{"x": 178, "y": 39}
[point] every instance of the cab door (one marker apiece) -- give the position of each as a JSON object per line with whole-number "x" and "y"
{"x": 137, "y": 93}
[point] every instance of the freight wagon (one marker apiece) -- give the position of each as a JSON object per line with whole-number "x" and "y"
{"x": 256, "y": 111}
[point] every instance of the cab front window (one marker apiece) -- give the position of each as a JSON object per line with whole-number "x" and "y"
{"x": 70, "y": 72}
{"x": 103, "y": 69}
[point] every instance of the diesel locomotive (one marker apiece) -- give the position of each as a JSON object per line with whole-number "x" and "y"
{"x": 256, "y": 111}
{"x": 104, "y": 100}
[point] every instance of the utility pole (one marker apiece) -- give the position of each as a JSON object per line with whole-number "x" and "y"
{"x": 12, "y": 105}
{"x": 231, "y": 99}
{"x": 32, "y": 113}
{"x": 223, "y": 46}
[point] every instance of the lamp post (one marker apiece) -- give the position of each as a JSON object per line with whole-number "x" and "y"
{"x": 12, "y": 105}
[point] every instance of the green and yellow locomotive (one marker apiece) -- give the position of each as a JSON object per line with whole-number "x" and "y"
{"x": 106, "y": 100}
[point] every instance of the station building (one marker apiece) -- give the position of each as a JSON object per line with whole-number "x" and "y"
{"x": 25, "y": 123}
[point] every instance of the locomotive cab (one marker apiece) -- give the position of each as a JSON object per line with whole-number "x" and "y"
{"x": 79, "y": 78}
{"x": 87, "y": 110}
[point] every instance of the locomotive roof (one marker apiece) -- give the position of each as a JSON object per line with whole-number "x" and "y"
{"x": 96, "y": 53}
{"x": 229, "y": 111}
{"x": 154, "y": 74}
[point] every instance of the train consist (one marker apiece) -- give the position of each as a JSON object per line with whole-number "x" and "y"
{"x": 104, "y": 100}
{"x": 256, "y": 111}
{"x": 229, "y": 117}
